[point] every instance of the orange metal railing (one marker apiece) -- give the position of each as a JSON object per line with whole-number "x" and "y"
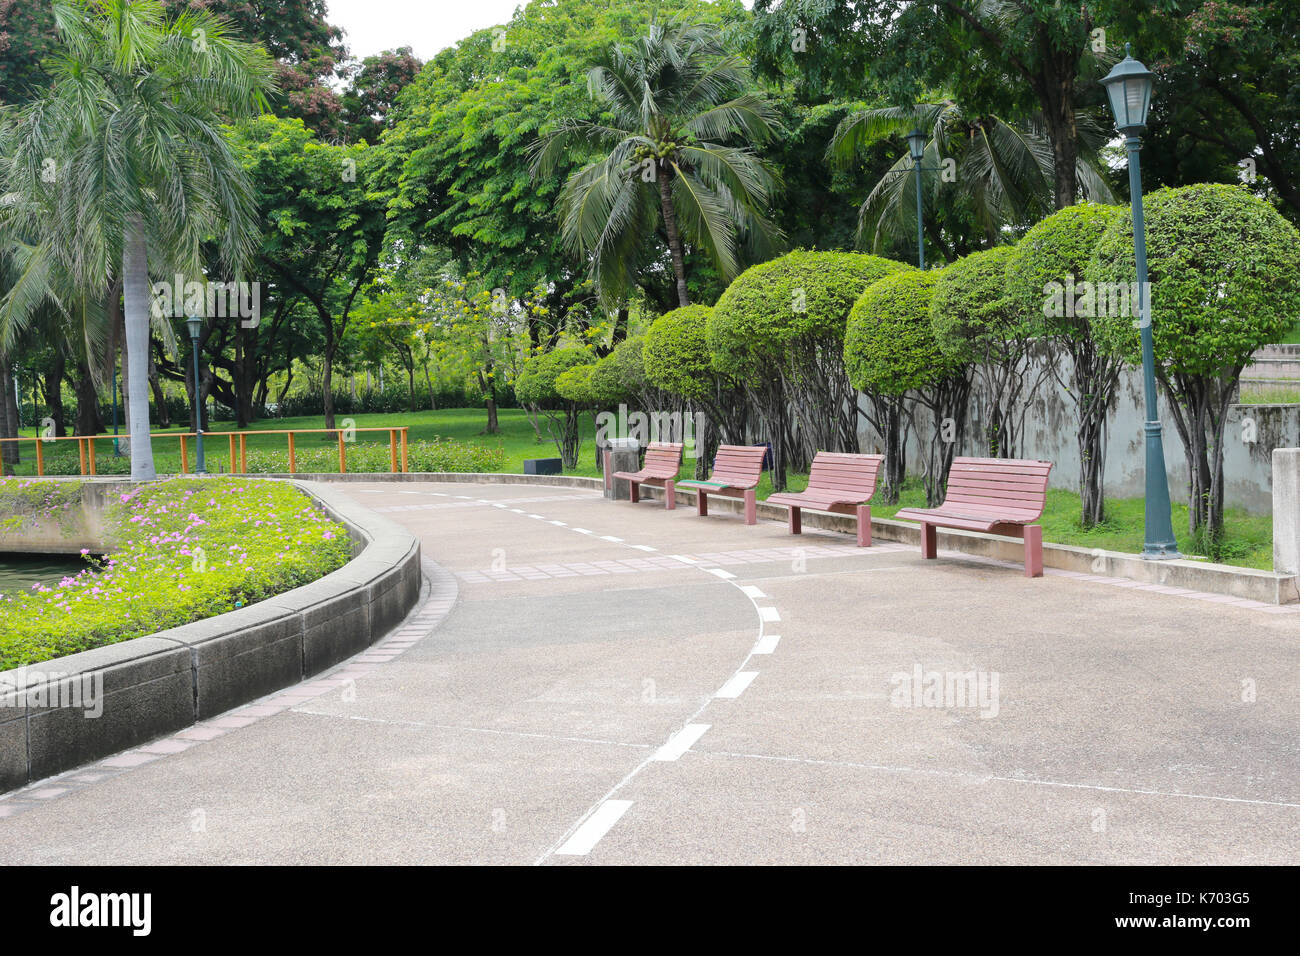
{"x": 237, "y": 446}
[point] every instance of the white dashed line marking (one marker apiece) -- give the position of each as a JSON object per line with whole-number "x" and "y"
{"x": 767, "y": 644}
{"x": 582, "y": 531}
{"x": 684, "y": 559}
{"x": 750, "y": 591}
{"x": 736, "y": 686}
{"x": 719, "y": 572}
{"x": 644, "y": 547}
{"x": 681, "y": 741}
{"x": 537, "y": 516}
{"x": 594, "y": 828}
{"x": 610, "y": 537}
{"x": 767, "y": 614}
{"x": 559, "y": 524}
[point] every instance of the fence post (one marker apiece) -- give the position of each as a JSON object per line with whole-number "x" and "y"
{"x": 1286, "y": 510}
{"x": 405, "y": 429}
{"x": 343, "y": 456}
{"x": 81, "y": 454}
{"x": 185, "y": 457}
{"x": 40, "y": 459}
{"x": 243, "y": 453}
{"x": 293, "y": 461}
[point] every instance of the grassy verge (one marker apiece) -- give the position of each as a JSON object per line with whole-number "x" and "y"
{"x": 187, "y": 550}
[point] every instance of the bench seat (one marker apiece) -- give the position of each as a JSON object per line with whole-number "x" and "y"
{"x": 736, "y": 472}
{"x": 1002, "y": 496}
{"x": 839, "y": 483}
{"x": 663, "y": 460}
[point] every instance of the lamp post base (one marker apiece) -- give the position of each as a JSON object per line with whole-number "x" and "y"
{"x": 1159, "y": 544}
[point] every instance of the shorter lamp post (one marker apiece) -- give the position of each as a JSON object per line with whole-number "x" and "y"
{"x": 1129, "y": 87}
{"x": 195, "y": 325}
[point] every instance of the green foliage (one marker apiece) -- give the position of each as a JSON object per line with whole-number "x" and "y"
{"x": 187, "y": 549}
{"x": 1057, "y": 250}
{"x": 1225, "y": 278}
{"x": 800, "y": 296}
{"x": 620, "y": 376}
{"x": 889, "y": 346}
{"x": 25, "y": 500}
{"x": 971, "y": 314}
{"x": 574, "y": 385}
{"x": 675, "y": 352}
{"x": 537, "y": 382}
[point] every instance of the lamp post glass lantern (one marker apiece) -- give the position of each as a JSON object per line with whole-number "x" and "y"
{"x": 1129, "y": 87}
{"x": 195, "y": 325}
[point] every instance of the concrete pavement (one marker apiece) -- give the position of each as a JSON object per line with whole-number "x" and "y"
{"x": 614, "y": 683}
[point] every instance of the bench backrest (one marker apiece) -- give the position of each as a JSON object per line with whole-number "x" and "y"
{"x": 854, "y": 475}
{"x": 739, "y": 464}
{"x": 663, "y": 459}
{"x": 1013, "y": 485}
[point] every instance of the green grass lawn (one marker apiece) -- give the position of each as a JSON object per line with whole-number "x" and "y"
{"x": 1248, "y": 542}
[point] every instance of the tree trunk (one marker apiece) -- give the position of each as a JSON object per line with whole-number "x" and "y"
{"x": 9, "y": 453}
{"x": 89, "y": 421}
{"x": 54, "y": 394}
{"x": 135, "y": 289}
{"x": 674, "y": 237}
{"x": 327, "y": 386}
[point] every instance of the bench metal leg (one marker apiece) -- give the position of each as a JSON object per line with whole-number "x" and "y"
{"x": 670, "y": 495}
{"x": 864, "y": 526}
{"x": 929, "y": 540}
{"x": 636, "y": 491}
{"x": 702, "y": 504}
{"x": 796, "y": 521}
{"x": 1033, "y": 551}
{"x": 751, "y": 507}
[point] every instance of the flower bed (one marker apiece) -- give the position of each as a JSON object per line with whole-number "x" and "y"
{"x": 186, "y": 549}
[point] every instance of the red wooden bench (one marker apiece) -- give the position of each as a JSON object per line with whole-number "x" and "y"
{"x": 839, "y": 483}
{"x": 997, "y": 495}
{"x": 663, "y": 459}
{"x": 736, "y": 471}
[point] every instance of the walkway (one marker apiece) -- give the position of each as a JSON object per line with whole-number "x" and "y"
{"x": 598, "y": 682}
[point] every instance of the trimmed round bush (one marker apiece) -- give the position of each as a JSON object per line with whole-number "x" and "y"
{"x": 574, "y": 385}
{"x": 1058, "y": 249}
{"x": 536, "y": 382}
{"x": 620, "y": 375}
{"x": 889, "y": 345}
{"x": 1225, "y": 277}
{"x": 971, "y": 314}
{"x": 801, "y": 295}
{"x": 675, "y": 352}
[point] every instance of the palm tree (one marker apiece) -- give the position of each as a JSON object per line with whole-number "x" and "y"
{"x": 127, "y": 153}
{"x": 675, "y": 98}
{"x": 1005, "y": 169}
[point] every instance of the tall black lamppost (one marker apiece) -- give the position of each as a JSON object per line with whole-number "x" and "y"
{"x": 195, "y": 325}
{"x": 1129, "y": 87}
{"x": 916, "y": 146}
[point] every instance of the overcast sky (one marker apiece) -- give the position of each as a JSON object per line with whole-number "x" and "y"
{"x": 426, "y": 26}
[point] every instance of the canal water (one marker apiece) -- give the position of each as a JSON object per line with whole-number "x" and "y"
{"x": 18, "y": 572}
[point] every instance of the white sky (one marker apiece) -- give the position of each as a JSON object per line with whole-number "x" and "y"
{"x": 426, "y": 26}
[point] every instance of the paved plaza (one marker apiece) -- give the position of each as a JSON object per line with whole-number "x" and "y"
{"x": 596, "y": 682}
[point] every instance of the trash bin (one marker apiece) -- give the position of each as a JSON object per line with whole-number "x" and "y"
{"x": 621, "y": 454}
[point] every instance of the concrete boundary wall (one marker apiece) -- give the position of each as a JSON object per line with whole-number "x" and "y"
{"x": 156, "y": 685}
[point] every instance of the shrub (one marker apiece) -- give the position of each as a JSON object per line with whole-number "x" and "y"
{"x": 785, "y": 318}
{"x": 1224, "y": 270}
{"x": 1058, "y": 250}
{"x": 187, "y": 549}
{"x": 536, "y": 388}
{"x": 975, "y": 321}
{"x": 675, "y": 353}
{"x": 891, "y": 350}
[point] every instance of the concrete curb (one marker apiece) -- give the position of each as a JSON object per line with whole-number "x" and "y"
{"x": 151, "y": 686}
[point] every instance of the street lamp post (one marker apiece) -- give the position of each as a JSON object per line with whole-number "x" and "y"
{"x": 1129, "y": 87}
{"x": 916, "y": 146}
{"x": 195, "y": 325}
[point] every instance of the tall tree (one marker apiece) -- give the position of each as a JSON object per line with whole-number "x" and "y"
{"x": 675, "y": 98}
{"x": 127, "y": 151}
